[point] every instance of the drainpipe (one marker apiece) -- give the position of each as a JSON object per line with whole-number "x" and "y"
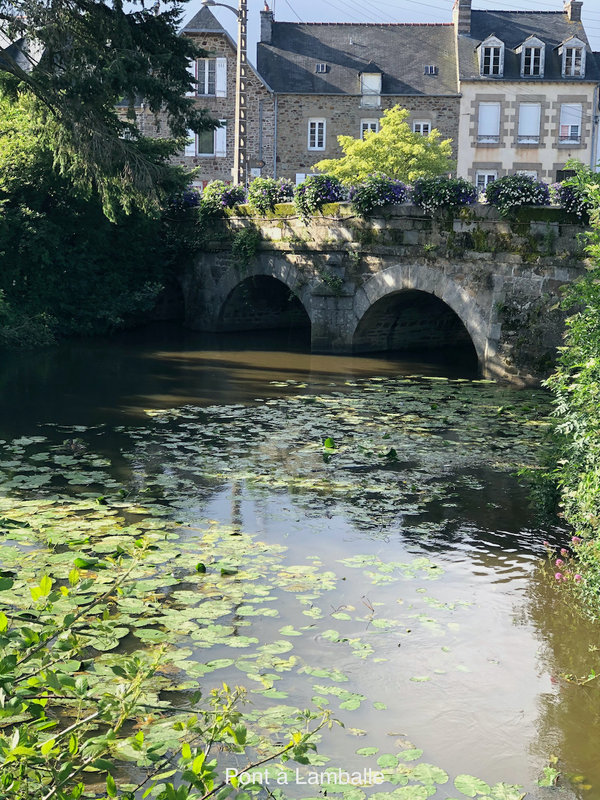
{"x": 595, "y": 119}
{"x": 260, "y": 130}
{"x": 275, "y": 137}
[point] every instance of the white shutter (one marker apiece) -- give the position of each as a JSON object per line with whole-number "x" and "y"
{"x": 190, "y": 147}
{"x": 529, "y": 122}
{"x": 221, "y": 77}
{"x": 193, "y": 76}
{"x": 221, "y": 139}
{"x": 489, "y": 122}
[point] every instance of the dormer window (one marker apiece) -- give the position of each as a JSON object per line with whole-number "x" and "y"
{"x": 532, "y": 53}
{"x": 320, "y": 67}
{"x": 370, "y": 89}
{"x": 431, "y": 69}
{"x": 573, "y": 58}
{"x": 491, "y": 57}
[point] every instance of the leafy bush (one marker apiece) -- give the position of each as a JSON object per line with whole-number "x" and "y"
{"x": 68, "y": 711}
{"x": 218, "y": 195}
{"x": 312, "y": 194}
{"x": 443, "y": 194}
{"x": 577, "y": 194}
{"x": 18, "y": 329}
{"x": 376, "y": 191}
{"x": 514, "y": 191}
{"x": 265, "y": 193}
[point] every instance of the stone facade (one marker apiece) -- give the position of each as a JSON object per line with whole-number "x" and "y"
{"x": 361, "y": 281}
{"x": 343, "y": 115}
{"x": 261, "y": 122}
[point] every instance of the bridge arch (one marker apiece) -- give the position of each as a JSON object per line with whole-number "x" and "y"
{"x": 268, "y": 294}
{"x": 402, "y": 287}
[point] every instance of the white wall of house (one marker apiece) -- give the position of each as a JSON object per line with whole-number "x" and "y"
{"x": 508, "y": 127}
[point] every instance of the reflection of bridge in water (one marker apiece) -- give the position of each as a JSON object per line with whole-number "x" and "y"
{"x": 397, "y": 283}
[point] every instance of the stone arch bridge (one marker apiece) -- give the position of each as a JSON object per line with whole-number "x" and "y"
{"x": 395, "y": 282}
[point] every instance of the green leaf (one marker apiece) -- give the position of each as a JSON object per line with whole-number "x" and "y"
{"x": 186, "y": 751}
{"x": 5, "y": 584}
{"x": 549, "y": 777}
{"x": 329, "y": 444}
{"x": 471, "y": 786}
{"x": 111, "y": 787}
{"x": 387, "y": 760}
{"x": 47, "y": 746}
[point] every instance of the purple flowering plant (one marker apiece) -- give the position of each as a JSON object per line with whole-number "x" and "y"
{"x": 375, "y": 191}
{"x": 218, "y": 195}
{"x": 265, "y": 193}
{"x": 312, "y": 194}
{"x": 443, "y": 194}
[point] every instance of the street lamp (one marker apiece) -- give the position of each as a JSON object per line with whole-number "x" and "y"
{"x": 241, "y": 72}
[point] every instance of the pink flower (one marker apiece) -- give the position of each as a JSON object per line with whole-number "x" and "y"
{"x": 564, "y": 552}
{"x": 559, "y": 576}
{"x": 576, "y": 540}
{"x": 546, "y": 544}
{"x": 578, "y": 578}
{"x": 559, "y": 562}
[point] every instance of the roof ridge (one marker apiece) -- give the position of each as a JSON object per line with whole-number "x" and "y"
{"x": 519, "y": 11}
{"x": 374, "y": 24}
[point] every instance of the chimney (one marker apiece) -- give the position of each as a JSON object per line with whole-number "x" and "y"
{"x": 461, "y": 16}
{"x": 266, "y": 24}
{"x": 573, "y": 10}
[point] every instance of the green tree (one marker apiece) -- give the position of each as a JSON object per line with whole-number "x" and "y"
{"x": 64, "y": 266}
{"x": 394, "y": 151}
{"x": 75, "y": 60}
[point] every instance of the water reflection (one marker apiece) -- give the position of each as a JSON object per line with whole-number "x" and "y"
{"x": 164, "y": 365}
{"x": 568, "y": 724}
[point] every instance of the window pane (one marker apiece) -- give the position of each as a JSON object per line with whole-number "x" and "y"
{"x": 206, "y": 143}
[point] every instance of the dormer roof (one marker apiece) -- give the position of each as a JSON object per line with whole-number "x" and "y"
{"x": 552, "y": 28}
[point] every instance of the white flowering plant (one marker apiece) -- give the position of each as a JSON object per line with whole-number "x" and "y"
{"x": 513, "y": 191}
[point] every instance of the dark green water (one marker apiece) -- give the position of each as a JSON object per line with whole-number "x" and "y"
{"x": 474, "y": 671}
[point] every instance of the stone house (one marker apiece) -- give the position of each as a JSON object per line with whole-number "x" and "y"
{"x": 211, "y": 153}
{"x": 337, "y": 78}
{"x": 529, "y": 92}
{"x": 516, "y": 91}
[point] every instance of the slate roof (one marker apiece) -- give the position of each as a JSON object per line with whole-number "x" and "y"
{"x": 204, "y": 22}
{"x": 513, "y": 27}
{"x": 401, "y": 52}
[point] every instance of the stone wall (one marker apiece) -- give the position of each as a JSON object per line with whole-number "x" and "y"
{"x": 362, "y": 282}
{"x": 260, "y": 119}
{"x": 343, "y": 115}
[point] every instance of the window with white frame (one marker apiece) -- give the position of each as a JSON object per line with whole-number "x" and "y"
{"x": 491, "y": 57}
{"x": 316, "y": 134}
{"x": 483, "y": 177}
{"x": 211, "y": 77}
{"x": 370, "y": 89}
{"x": 573, "y": 59}
{"x": 570, "y": 123}
{"x": 488, "y": 128}
{"x": 529, "y": 123}
{"x": 208, "y": 143}
{"x": 422, "y": 126}
{"x": 368, "y": 126}
{"x": 532, "y": 61}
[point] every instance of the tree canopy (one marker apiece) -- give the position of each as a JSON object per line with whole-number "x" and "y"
{"x": 395, "y": 150}
{"x": 76, "y": 60}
